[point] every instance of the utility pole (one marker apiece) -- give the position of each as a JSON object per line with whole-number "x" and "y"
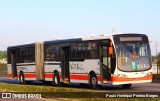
{"x": 156, "y": 48}
{"x": 157, "y": 60}
{"x": 113, "y": 31}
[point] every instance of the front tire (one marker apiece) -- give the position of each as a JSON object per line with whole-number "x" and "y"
{"x": 93, "y": 82}
{"x": 126, "y": 86}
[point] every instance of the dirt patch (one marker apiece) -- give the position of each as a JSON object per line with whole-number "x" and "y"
{"x": 3, "y": 70}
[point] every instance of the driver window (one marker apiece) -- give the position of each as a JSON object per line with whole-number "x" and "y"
{"x": 105, "y": 55}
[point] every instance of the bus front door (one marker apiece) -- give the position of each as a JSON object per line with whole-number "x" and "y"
{"x": 105, "y": 65}
{"x": 65, "y": 64}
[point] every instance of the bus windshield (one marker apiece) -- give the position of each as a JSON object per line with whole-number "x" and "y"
{"x": 133, "y": 56}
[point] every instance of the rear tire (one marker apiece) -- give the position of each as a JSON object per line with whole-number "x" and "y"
{"x": 56, "y": 79}
{"x": 22, "y": 79}
{"x": 126, "y": 85}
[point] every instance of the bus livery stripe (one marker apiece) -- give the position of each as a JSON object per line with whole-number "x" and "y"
{"x": 30, "y": 75}
{"x": 117, "y": 79}
{"x": 48, "y": 75}
{"x": 79, "y": 77}
{"x": 10, "y": 75}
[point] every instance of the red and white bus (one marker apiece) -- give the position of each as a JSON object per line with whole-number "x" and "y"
{"x": 121, "y": 59}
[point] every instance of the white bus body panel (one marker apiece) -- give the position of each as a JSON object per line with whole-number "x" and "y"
{"x": 28, "y": 69}
{"x": 49, "y": 68}
{"x": 9, "y": 70}
{"x": 82, "y": 68}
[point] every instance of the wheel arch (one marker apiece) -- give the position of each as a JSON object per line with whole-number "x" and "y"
{"x": 54, "y": 72}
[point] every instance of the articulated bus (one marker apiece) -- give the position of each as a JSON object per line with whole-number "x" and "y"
{"x": 120, "y": 59}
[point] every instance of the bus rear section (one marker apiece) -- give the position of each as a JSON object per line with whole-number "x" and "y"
{"x": 21, "y": 62}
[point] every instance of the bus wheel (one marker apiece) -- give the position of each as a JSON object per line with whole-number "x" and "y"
{"x": 93, "y": 81}
{"x": 56, "y": 80}
{"x": 126, "y": 85}
{"x": 21, "y": 78}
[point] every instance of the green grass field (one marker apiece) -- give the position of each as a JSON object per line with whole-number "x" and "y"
{"x": 58, "y": 92}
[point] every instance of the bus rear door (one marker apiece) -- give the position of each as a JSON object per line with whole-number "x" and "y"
{"x": 65, "y": 64}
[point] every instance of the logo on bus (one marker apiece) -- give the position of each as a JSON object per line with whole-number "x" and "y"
{"x": 76, "y": 66}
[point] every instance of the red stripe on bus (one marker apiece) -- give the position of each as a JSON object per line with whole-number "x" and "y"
{"x": 29, "y": 75}
{"x": 99, "y": 78}
{"x": 60, "y": 76}
{"x": 117, "y": 79}
{"x": 51, "y": 76}
{"x": 9, "y": 75}
{"x": 48, "y": 75}
{"x": 79, "y": 77}
{"x": 18, "y": 75}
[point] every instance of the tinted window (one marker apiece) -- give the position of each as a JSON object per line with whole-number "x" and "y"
{"x": 26, "y": 55}
{"x": 52, "y": 52}
{"x": 85, "y": 50}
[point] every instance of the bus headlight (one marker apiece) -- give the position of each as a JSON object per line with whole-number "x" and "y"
{"x": 122, "y": 76}
{"x": 148, "y": 74}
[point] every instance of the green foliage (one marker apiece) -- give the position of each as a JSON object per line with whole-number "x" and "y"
{"x": 3, "y": 54}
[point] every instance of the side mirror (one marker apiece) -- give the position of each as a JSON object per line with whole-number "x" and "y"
{"x": 110, "y": 50}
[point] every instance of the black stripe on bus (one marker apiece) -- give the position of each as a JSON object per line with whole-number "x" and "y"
{"x": 52, "y": 63}
{"x": 25, "y": 64}
{"x": 27, "y": 72}
{"x": 76, "y": 59}
{"x": 50, "y": 72}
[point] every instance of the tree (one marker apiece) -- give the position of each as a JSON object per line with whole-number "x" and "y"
{"x": 158, "y": 63}
{"x": 158, "y": 59}
{"x": 3, "y": 54}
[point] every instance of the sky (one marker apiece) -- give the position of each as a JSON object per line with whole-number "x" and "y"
{"x": 27, "y": 21}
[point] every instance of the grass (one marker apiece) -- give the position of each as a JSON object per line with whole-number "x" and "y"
{"x": 58, "y": 92}
{"x": 35, "y": 88}
{"x": 45, "y": 89}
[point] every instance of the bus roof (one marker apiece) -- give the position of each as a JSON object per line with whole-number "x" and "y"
{"x": 64, "y": 40}
{"x": 105, "y": 36}
{"x": 24, "y": 45}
